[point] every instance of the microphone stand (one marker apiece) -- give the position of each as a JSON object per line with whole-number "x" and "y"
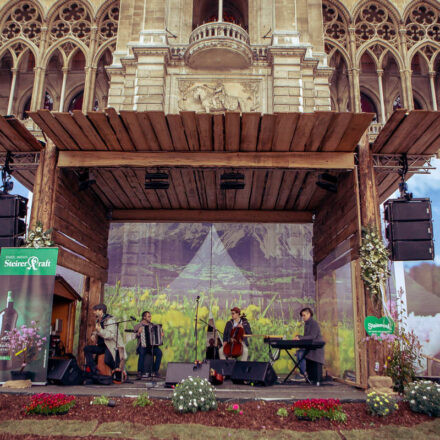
{"x": 195, "y": 325}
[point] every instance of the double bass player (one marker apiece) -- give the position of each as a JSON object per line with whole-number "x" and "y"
{"x": 236, "y": 322}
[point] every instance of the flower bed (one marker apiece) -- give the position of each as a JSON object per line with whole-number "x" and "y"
{"x": 50, "y": 404}
{"x": 315, "y": 409}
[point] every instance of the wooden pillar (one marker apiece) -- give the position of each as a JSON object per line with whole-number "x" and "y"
{"x": 370, "y": 216}
{"x": 93, "y": 294}
{"x": 45, "y": 187}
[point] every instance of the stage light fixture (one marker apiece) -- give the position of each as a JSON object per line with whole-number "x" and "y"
{"x": 86, "y": 180}
{"x": 328, "y": 182}
{"x": 157, "y": 180}
{"x": 232, "y": 181}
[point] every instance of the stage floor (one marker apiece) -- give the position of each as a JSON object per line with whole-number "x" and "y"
{"x": 225, "y": 392}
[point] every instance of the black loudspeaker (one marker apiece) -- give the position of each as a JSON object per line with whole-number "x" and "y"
{"x": 12, "y": 220}
{"x": 224, "y": 367}
{"x": 409, "y": 230}
{"x": 64, "y": 372}
{"x": 177, "y": 371}
{"x": 257, "y": 373}
{"x": 314, "y": 371}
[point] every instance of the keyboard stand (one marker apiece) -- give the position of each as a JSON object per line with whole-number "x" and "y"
{"x": 295, "y": 363}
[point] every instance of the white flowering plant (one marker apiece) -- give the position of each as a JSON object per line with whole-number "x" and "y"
{"x": 374, "y": 260}
{"x": 38, "y": 237}
{"x": 194, "y": 394}
{"x": 424, "y": 397}
{"x": 381, "y": 404}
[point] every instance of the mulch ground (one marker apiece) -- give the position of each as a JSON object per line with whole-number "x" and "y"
{"x": 257, "y": 415}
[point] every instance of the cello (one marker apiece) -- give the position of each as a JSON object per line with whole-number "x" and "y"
{"x": 234, "y": 347}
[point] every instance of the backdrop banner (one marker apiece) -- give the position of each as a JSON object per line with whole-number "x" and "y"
{"x": 27, "y": 278}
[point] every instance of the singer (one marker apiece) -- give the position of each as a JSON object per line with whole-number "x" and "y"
{"x": 105, "y": 340}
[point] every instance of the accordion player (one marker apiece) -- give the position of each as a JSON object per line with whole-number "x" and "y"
{"x": 150, "y": 338}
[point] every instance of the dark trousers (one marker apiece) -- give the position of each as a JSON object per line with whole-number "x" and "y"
{"x": 91, "y": 350}
{"x": 300, "y": 356}
{"x": 156, "y": 357}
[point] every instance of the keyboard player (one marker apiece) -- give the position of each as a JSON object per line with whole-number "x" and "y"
{"x": 312, "y": 333}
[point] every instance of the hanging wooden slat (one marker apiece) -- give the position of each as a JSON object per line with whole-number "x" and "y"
{"x": 425, "y": 140}
{"x": 47, "y": 130}
{"x": 149, "y": 138}
{"x": 272, "y": 189}
{"x": 110, "y": 186}
{"x": 285, "y": 126}
{"x": 160, "y": 127}
{"x": 201, "y": 188}
{"x": 219, "y": 132}
{"x": 150, "y": 194}
{"x": 243, "y": 195}
{"x": 191, "y": 188}
{"x": 127, "y": 186}
{"x": 120, "y": 130}
{"x": 358, "y": 125}
{"x": 58, "y": 129}
{"x": 322, "y": 123}
{"x": 204, "y": 128}
{"x": 336, "y": 131}
{"x": 302, "y": 133}
{"x": 176, "y": 182}
{"x": 20, "y": 143}
{"x": 66, "y": 120}
{"x": 22, "y": 132}
{"x": 95, "y": 141}
{"x": 232, "y": 130}
{"x": 249, "y": 131}
{"x": 285, "y": 189}
{"x": 258, "y": 185}
{"x": 428, "y": 124}
{"x": 392, "y": 124}
{"x": 134, "y": 129}
{"x": 296, "y": 187}
{"x": 306, "y": 192}
{"x": 138, "y": 187}
{"x": 267, "y": 131}
{"x": 211, "y": 193}
{"x": 189, "y": 123}
{"x": 101, "y": 123}
{"x": 177, "y": 132}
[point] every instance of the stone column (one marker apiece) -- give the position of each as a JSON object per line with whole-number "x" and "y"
{"x": 354, "y": 72}
{"x": 405, "y": 73}
{"x": 63, "y": 88}
{"x": 383, "y": 117}
{"x": 432, "y": 85}
{"x": 14, "y": 71}
{"x": 39, "y": 73}
{"x": 89, "y": 81}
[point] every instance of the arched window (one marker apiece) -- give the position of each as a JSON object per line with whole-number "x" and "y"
{"x": 26, "y": 108}
{"x": 368, "y": 106}
{"x": 206, "y": 11}
{"x": 77, "y": 102}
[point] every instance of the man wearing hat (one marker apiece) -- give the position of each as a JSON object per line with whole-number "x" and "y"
{"x": 236, "y": 320}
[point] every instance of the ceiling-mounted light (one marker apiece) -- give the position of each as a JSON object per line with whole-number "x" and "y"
{"x": 157, "y": 180}
{"x": 232, "y": 181}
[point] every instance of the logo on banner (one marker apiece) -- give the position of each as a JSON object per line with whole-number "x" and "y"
{"x": 27, "y": 261}
{"x": 378, "y": 326}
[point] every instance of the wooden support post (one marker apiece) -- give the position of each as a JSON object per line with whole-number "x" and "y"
{"x": 45, "y": 187}
{"x": 370, "y": 216}
{"x": 93, "y": 294}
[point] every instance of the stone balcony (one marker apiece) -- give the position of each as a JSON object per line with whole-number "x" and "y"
{"x": 219, "y": 45}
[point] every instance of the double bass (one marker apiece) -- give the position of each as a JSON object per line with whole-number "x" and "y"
{"x": 234, "y": 347}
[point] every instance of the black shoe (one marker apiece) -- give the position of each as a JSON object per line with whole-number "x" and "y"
{"x": 139, "y": 376}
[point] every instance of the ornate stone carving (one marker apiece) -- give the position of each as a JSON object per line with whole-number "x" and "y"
{"x": 219, "y": 96}
{"x": 335, "y": 25}
{"x": 24, "y": 20}
{"x": 422, "y": 22}
{"x": 108, "y": 24}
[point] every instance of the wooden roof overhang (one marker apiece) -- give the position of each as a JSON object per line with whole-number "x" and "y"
{"x": 280, "y": 155}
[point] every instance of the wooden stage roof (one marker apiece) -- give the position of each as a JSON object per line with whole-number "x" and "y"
{"x": 195, "y": 149}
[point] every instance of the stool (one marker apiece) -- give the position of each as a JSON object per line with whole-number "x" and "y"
{"x": 102, "y": 367}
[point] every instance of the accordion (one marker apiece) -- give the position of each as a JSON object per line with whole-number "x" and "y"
{"x": 152, "y": 335}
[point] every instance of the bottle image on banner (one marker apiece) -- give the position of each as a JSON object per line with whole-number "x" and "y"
{"x": 8, "y": 321}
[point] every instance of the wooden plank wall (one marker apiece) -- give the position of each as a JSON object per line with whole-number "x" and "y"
{"x": 80, "y": 228}
{"x": 337, "y": 218}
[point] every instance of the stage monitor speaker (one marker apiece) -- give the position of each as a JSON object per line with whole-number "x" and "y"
{"x": 257, "y": 373}
{"x": 314, "y": 371}
{"x": 408, "y": 210}
{"x": 64, "y": 372}
{"x": 412, "y": 250}
{"x": 177, "y": 371}
{"x": 224, "y": 367}
{"x": 420, "y": 230}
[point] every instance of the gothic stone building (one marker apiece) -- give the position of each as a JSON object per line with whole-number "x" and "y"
{"x": 215, "y": 55}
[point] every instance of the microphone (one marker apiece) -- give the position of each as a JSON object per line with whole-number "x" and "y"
{"x": 198, "y": 297}
{"x": 133, "y": 318}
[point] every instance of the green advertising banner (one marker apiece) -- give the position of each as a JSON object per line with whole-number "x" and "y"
{"x": 27, "y": 278}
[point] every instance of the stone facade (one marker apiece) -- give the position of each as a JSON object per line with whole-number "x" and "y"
{"x": 176, "y": 55}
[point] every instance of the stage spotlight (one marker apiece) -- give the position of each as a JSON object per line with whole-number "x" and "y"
{"x": 86, "y": 180}
{"x": 328, "y": 182}
{"x": 232, "y": 181}
{"x": 156, "y": 180}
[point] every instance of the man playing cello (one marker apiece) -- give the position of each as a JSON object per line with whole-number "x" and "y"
{"x": 238, "y": 326}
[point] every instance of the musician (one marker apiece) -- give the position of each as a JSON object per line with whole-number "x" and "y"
{"x": 312, "y": 332}
{"x": 155, "y": 351}
{"x": 236, "y": 321}
{"x": 105, "y": 339}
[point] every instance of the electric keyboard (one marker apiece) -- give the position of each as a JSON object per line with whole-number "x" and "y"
{"x": 287, "y": 344}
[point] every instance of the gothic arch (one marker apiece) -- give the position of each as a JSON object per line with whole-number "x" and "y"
{"x": 66, "y": 46}
{"x": 98, "y": 54}
{"x": 376, "y": 19}
{"x": 72, "y": 93}
{"x": 17, "y": 47}
{"x": 429, "y": 49}
{"x": 374, "y": 43}
{"x": 70, "y": 18}
{"x": 332, "y": 46}
{"x": 22, "y": 18}
{"x": 107, "y": 21}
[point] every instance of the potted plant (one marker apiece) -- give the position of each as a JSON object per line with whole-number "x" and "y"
{"x": 24, "y": 344}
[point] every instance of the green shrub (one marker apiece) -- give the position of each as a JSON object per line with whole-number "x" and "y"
{"x": 381, "y": 404}
{"x": 282, "y": 412}
{"x": 102, "y": 400}
{"x": 142, "y": 400}
{"x": 194, "y": 394}
{"x": 424, "y": 397}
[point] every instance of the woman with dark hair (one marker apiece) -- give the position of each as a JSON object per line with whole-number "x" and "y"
{"x": 312, "y": 333}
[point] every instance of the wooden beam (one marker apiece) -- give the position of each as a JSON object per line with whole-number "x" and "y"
{"x": 218, "y": 216}
{"x": 265, "y": 160}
